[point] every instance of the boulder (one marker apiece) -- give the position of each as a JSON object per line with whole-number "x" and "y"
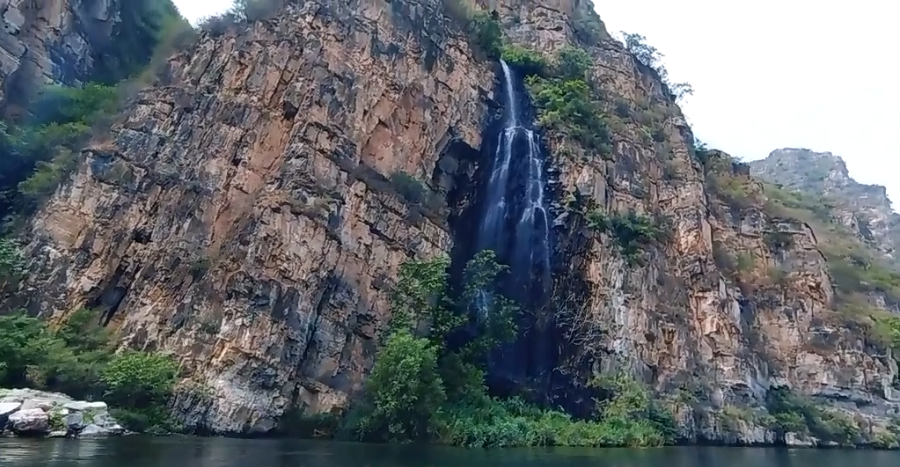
{"x": 30, "y": 422}
{"x": 6, "y": 409}
{"x": 39, "y": 403}
{"x": 40, "y": 413}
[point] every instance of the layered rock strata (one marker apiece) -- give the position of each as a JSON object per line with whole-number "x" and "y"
{"x": 240, "y": 216}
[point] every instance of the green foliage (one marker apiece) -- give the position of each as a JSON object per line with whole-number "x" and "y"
{"x": 629, "y": 417}
{"x": 420, "y": 389}
{"x": 41, "y": 152}
{"x": 744, "y": 262}
{"x": 565, "y": 102}
{"x": 141, "y": 384}
{"x": 142, "y": 28}
{"x": 527, "y": 61}
{"x": 404, "y": 390}
{"x": 573, "y": 63}
{"x": 78, "y": 359}
{"x": 793, "y": 413}
{"x": 12, "y": 264}
{"x": 486, "y": 34}
{"x": 650, "y": 57}
{"x": 568, "y": 107}
{"x": 414, "y": 191}
{"x": 41, "y": 149}
{"x": 632, "y": 231}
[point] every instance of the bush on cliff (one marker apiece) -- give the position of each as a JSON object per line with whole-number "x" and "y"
{"x": 144, "y": 25}
{"x": 650, "y": 57}
{"x": 566, "y": 104}
{"x": 41, "y": 147}
{"x": 78, "y": 359}
{"x": 423, "y": 389}
{"x": 38, "y": 152}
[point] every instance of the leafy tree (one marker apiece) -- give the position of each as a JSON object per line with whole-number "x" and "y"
{"x": 12, "y": 264}
{"x": 136, "y": 36}
{"x": 139, "y": 379}
{"x": 574, "y": 62}
{"x": 486, "y": 34}
{"x": 404, "y": 390}
{"x": 651, "y": 57}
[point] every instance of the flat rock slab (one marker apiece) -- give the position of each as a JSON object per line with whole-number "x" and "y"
{"x": 7, "y": 408}
{"x": 86, "y": 406}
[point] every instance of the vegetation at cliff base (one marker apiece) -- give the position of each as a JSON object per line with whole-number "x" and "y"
{"x": 77, "y": 357}
{"x": 422, "y": 389}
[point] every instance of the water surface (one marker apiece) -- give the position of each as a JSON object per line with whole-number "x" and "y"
{"x": 222, "y": 452}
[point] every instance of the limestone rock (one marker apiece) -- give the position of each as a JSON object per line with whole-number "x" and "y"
{"x": 6, "y": 409}
{"x": 240, "y": 215}
{"x": 864, "y": 209}
{"x": 272, "y": 239}
{"x": 55, "y": 407}
{"x": 29, "y": 422}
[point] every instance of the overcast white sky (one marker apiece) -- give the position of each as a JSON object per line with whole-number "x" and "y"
{"x": 771, "y": 73}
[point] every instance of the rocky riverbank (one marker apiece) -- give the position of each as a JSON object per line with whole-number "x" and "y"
{"x": 32, "y": 413}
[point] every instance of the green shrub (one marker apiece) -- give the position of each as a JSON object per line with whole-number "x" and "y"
{"x": 136, "y": 37}
{"x": 486, "y": 34}
{"x": 404, "y": 390}
{"x": 527, "y": 61}
{"x": 41, "y": 152}
{"x": 650, "y": 57}
{"x": 410, "y": 188}
{"x": 632, "y": 231}
{"x": 794, "y": 413}
{"x": 568, "y": 107}
{"x": 78, "y": 359}
{"x": 420, "y": 389}
{"x": 12, "y": 263}
{"x": 573, "y": 63}
{"x": 141, "y": 383}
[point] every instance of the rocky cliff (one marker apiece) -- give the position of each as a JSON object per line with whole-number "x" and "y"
{"x": 249, "y": 214}
{"x": 863, "y": 209}
{"x": 73, "y": 41}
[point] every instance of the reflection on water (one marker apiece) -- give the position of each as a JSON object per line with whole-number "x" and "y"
{"x": 220, "y": 452}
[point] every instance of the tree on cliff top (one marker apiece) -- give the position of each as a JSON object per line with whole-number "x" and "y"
{"x": 651, "y": 57}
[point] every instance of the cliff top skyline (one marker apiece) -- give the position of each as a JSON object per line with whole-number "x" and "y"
{"x": 764, "y": 81}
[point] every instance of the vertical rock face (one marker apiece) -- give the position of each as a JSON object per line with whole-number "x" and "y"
{"x": 240, "y": 216}
{"x": 706, "y": 332}
{"x": 50, "y": 41}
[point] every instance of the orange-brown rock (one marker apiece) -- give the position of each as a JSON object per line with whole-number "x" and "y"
{"x": 240, "y": 217}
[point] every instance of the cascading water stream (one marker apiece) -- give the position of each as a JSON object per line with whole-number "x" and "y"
{"x": 515, "y": 220}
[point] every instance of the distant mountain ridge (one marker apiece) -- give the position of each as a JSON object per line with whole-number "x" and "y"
{"x": 865, "y": 209}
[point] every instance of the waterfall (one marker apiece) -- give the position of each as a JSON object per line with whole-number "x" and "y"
{"x": 515, "y": 221}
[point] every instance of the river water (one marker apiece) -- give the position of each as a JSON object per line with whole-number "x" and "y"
{"x": 222, "y": 452}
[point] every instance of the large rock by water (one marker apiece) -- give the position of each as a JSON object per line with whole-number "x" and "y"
{"x": 28, "y": 412}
